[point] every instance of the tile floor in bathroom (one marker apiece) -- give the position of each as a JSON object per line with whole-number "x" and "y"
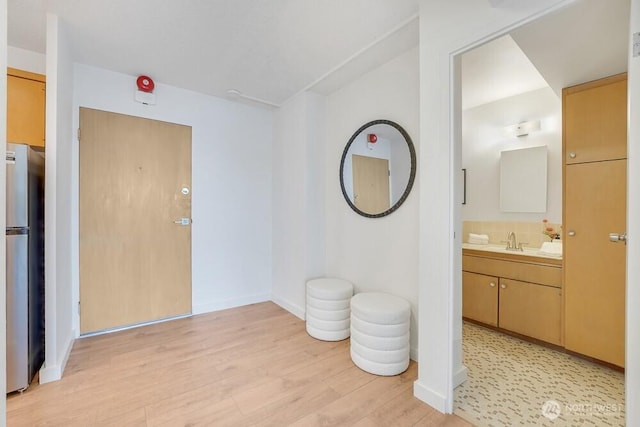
{"x": 516, "y": 383}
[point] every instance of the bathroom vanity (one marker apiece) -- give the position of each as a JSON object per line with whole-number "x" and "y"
{"x": 517, "y": 291}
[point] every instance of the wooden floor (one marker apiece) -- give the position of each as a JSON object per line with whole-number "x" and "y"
{"x": 248, "y": 366}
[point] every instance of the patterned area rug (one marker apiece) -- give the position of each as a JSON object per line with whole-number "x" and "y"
{"x": 516, "y": 383}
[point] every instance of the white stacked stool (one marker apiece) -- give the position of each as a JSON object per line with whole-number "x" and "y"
{"x": 380, "y": 326}
{"x": 328, "y": 313}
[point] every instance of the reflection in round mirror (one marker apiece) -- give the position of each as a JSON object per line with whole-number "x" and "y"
{"x": 377, "y": 169}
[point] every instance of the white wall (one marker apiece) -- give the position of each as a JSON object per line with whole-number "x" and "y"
{"x": 3, "y": 186}
{"x": 231, "y": 183}
{"x": 59, "y": 328}
{"x": 376, "y": 254}
{"x": 632, "y": 382}
{"x": 298, "y": 199}
{"x": 400, "y": 174}
{"x": 26, "y": 60}
{"x": 447, "y": 29}
{"x": 483, "y": 139}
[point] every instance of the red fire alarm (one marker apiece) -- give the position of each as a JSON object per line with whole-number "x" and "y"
{"x": 145, "y": 84}
{"x": 372, "y": 138}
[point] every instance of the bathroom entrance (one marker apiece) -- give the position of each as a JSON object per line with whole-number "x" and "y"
{"x": 513, "y": 272}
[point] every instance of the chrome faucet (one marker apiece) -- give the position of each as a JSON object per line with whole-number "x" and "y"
{"x": 512, "y": 244}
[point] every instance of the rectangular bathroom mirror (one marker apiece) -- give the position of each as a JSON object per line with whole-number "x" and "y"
{"x": 523, "y": 180}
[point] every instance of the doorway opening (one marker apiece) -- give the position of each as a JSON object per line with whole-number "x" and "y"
{"x": 511, "y": 379}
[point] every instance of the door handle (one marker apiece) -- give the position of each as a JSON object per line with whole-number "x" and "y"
{"x": 616, "y": 237}
{"x": 183, "y": 221}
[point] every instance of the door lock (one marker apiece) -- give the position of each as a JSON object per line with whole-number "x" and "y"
{"x": 616, "y": 237}
{"x": 183, "y": 221}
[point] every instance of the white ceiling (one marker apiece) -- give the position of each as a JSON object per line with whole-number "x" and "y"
{"x": 272, "y": 49}
{"x": 577, "y": 44}
{"x": 584, "y": 42}
{"x": 497, "y": 70}
{"x": 268, "y": 50}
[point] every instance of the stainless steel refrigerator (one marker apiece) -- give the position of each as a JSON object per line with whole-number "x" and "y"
{"x": 25, "y": 264}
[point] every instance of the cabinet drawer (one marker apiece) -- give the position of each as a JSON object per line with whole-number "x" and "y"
{"x": 480, "y": 298}
{"x": 531, "y": 310}
{"x": 533, "y": 273}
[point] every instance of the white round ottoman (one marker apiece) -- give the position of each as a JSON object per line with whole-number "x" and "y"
{"x": 328, "y": 308}
{"x": 380, "y": 333}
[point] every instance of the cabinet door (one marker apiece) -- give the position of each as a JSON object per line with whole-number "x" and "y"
{"x": 595, "y": 205}
{"x": 532, "y": 310}
{"x": 480, "y": 298}
{"x": 594, "y": 116}
{"x": 25, "y": 111}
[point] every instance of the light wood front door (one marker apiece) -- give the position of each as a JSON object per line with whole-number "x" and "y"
{"x": 135, "y": 183}
{"x": 370, "y": 184}
{"x": 594, "y": 266}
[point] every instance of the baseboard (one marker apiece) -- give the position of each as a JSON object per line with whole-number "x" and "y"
{"x": 229, "y": 303}
{"x": 460, "y": 376}
{"x": 430, "y": 397}
{"x": 53, "y": 371}
{"x": 413, "y": 354}
{"x": 292, "y": 308}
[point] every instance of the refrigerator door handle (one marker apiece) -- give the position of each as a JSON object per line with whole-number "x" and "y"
{"x": 17, "y": 231}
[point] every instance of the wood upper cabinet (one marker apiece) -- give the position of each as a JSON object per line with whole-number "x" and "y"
{"x": 480, "y": 297}
{"x": 595, "y": 118}
{"x": 25, "y": 107}
{"x": 532, "y": 310}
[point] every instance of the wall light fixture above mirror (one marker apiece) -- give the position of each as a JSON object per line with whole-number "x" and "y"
{"x": 378, "y": 168}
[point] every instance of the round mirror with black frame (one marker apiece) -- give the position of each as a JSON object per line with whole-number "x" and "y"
{"x": 377, "y": 168}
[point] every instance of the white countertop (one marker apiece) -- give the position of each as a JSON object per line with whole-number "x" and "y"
{"x": 527, "y": 251}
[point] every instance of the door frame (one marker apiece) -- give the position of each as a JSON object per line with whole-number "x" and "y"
{"x": 440, "y": 285}
{"x": 113, "y": 106}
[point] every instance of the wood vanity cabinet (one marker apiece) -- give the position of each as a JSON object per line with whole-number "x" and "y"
{"x": 480, "y": 297}
{"x": 25, "y": 107}
{"x": 531, "y": 309}
{"x": 518, "y": 293}
{"x": 594, "y": 205}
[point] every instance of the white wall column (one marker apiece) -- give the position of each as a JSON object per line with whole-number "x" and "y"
{"x": 3, "y": 186}
{"x": 446, "y": 30}
{"x": 298, "y": 199}
{"x": 633, "y": 229}
{"x": 59, "y": 333}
